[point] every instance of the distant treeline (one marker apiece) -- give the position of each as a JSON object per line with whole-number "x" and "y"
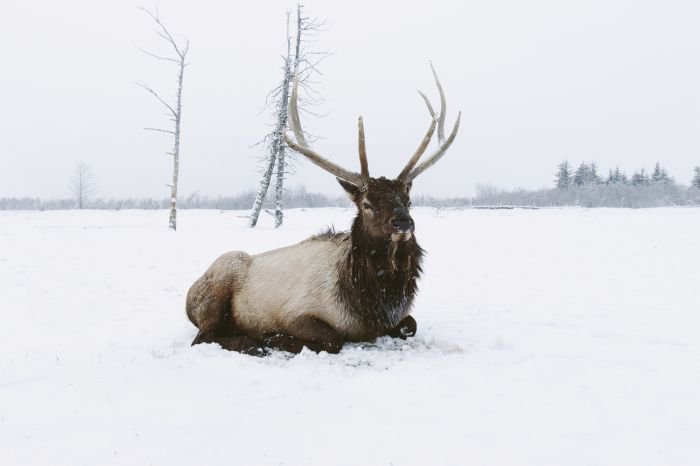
{"x": 294, "y": 198}
{"x": 583, "y": 187}
{"x": 586, "y": 187}
{"x": 598, "y": 195}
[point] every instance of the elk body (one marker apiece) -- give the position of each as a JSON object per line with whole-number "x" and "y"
{"x": 330, "y": 288}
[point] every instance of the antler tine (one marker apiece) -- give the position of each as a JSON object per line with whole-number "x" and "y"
{"x": 303, "y": 148}
{"x": 421, "y": 148}
{"x": 443, "y": 144}
{"x": 427, "y": 102}
{"x": 293, "y": 115}
{"x": 443, "y": 107}
{"x": 364, "y": 168}
{"x": 437, "y": 155}
{"x": 324, "y": 163}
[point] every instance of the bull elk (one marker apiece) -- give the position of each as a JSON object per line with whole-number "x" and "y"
{"x": 332, "y": 287}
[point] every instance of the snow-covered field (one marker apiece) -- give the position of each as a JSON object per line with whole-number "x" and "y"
{"x": 549, "y": 337}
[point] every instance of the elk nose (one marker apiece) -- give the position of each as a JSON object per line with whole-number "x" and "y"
{"x": 402, "y": 223}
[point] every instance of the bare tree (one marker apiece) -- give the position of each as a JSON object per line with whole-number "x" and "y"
{"x": 174, "y": 112}
{"x": 302, "y": 64}
{"x": 82, "y": 185}
{"x": 291, "y": 68}
{"x": 275, "y": 138}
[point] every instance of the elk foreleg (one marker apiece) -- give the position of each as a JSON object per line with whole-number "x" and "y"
{"x": 406, "y": 328}
{"x": 307, "y": 331}
{"x": 239, "y": 343}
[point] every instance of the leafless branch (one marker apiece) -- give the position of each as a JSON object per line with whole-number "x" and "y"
{"x": 161, "y": 130}
{"x": 156, "y": 56}
{"x": 160, "y": 99}
{"x": 165, "y": 34}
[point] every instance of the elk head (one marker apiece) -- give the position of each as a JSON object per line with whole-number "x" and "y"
{"x": 383, "y": 204}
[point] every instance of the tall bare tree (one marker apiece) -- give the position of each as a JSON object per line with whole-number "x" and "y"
{"x": 301, "y": 63}
{"x": 274, "y": 139}
{"x": 174, "y": 111}
{"x": 82, "y": 185}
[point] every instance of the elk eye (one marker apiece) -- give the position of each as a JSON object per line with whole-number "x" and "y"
{"x": 366, "y": 205}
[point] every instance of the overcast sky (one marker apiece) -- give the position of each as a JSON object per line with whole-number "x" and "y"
{"x": 616, "y": 81}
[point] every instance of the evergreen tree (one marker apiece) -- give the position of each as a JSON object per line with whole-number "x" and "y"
{"x": 593, "y": 176}
{"x": 657, "y": 175}
{"x": 696, "y": 178}
{"x": 615, "y": 176}
{"x": 660, "y": 175}
{"x": 666, "y": 178}
{"x": 582, "y": 175}
{"x": 618, "y": 176}
{"x": 623, "y": 178}
{"x": 563, "y": 177}
{"x": 640, "y": 178}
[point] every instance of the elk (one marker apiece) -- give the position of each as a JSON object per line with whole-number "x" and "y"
{"x": 333, "y": 287}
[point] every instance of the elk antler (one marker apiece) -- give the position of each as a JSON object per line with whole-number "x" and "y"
{"x": 302, "y": 147}
{"x": 364, "y": 168}
{"x": 423, "y": 145}
{"x": 409, "y": 173}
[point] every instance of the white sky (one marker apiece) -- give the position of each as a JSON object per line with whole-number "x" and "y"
{"x": 616, "y": 81}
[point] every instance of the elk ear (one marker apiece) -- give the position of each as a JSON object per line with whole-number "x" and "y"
{"x": 408, "y": 186}
{"x": 350, "y": 189}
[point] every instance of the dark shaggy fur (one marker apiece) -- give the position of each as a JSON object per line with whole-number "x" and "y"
{"x": 377, "y": 278}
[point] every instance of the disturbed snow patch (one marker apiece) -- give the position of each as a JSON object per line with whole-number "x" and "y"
{"x": 380, "y": 354}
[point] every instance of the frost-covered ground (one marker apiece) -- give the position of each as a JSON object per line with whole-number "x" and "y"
{"x": 550, "y": 337}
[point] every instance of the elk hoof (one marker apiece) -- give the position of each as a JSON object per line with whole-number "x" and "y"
{"x": 406, "y": 328}
{"x": 240, "y": 344}
{"x": 281, "y": 342}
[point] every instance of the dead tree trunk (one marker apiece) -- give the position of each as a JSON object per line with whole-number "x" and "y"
{"x": 291, "y": 68}
{"x": 264, "y": 185}
{"x": 172, "y": 223}
{"x": 276, "y": 162}
{"x": 175, "y": 113}
{"x": 281, "y": 167}
{"x": 276, "y": 146}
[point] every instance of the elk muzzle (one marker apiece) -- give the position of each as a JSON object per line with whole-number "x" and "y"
{"x": 402, "y": 226}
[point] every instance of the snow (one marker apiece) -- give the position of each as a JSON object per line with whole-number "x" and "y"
{"x": 546, "y": 337}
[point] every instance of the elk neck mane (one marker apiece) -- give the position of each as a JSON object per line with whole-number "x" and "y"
{"x": 376, "y": 278}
